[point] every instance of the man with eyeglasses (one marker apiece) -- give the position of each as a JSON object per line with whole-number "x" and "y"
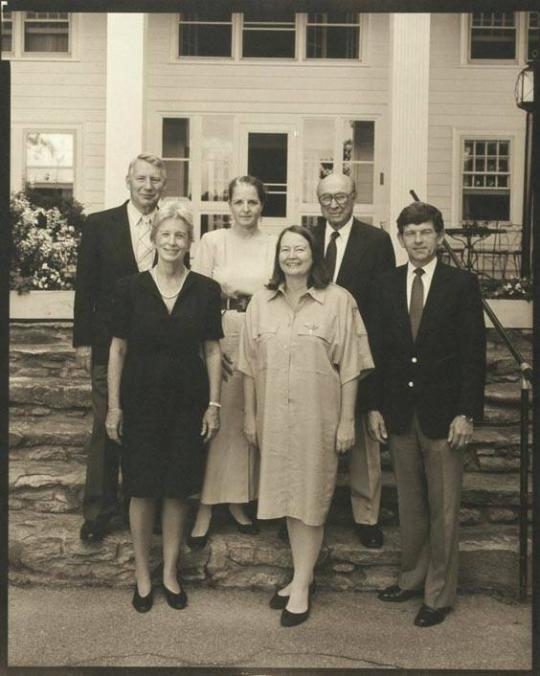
{"x": 356, "y": 253}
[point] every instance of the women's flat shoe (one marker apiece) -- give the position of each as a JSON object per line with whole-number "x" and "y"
{"x": 142, "y": 604}
{"x": 247, "y": 528}
{"x": 178, "y": 601}
{"x": 289, "y": 619}
{"x": 198, "y": 542}
{"x": 278, "y": 601}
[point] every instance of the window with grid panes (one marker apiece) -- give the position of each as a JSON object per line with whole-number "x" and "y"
{"x": 175, "y": 154}
{"x": 493, "y": 35}
{"x": 333, "y": 35}
{"x": 7, "y": 31}
{"x": 46, "y": 32}
{"x": 272, "y": 35}
{"x": 205, "y": 33}
{"x": 533, "y": 35}
{"x": 359, "y": 157}
{"x": 486, "y": 180}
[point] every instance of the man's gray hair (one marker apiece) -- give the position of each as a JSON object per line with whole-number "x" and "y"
{"x": 151, "y": 159}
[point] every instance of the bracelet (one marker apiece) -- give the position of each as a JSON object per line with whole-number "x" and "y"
{"x": 214, "y": 403}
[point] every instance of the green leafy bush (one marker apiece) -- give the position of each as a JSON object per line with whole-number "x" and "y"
{"x": 45, "y": 242}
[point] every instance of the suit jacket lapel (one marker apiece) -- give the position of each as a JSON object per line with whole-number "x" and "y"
{"x": 121, "y": 237}
{"x": 400, "y": 303}
{"x": 354, "y": 252}
{"x": 434, "y": 304}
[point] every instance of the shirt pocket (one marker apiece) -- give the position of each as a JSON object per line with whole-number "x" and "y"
{"x": 313, "y": 345}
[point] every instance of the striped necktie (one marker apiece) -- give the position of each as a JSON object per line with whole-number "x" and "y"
{"x": 144, "y": 249}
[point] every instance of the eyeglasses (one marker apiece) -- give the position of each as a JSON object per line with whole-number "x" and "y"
{"x": 340, "y": 198}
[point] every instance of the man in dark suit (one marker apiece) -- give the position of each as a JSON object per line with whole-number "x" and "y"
{"x": 115, "y": 243}
{"x": 429, "y": 346}
{"x": 356, "y": 253}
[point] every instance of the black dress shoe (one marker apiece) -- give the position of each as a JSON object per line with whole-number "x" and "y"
{"x": 247, "y": 528}
{"x": 178, "y": 601}
{"x": 427, "y": 617}
{"x": 396, "y": 594}
{"x": 142, "y": 604}
{"x": 289, "y": 619}
{"x": 370, "y": 536}
{"x": 278, "y": 601}
{"x": 94, "y": 531}
{"x": 197, "y": 542}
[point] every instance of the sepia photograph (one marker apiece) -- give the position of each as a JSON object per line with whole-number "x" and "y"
{"x": 270, "y": 335}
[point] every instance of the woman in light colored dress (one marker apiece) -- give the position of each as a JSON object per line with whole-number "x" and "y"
{"x": 240, "y": 258}
{"x": 303, "y": 349}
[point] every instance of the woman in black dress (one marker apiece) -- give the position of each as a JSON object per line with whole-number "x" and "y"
{"x": 164, "y": 379}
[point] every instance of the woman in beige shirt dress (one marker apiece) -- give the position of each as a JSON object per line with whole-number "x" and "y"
{"x": 240, "y": 259}
{"x": 303, "y": 349}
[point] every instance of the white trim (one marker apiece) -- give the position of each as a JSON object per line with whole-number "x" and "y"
{"x": 17, "y": 42}
{"x": 517, "y": 150}
{"x": 521, "y": 28}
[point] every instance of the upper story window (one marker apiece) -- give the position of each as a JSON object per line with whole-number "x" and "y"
{"x": 205, "y": 34}
{"x": 493, "y": 35}
{"x": 533, "y": 34}
{"x": 486, "y": 179}
{"x": 333, "y": 35}
{"x": 36, "y": 35}
{"x": 7, "y": 31}
{"x": 269, "y": 36}
{"x": 50, "y": 163}
{"x": 46, "y": 32}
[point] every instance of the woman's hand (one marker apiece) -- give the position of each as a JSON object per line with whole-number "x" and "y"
{"x": 250, "y": 430}
{"x": 210, "y": 423}
{"x": 114, "y": 423}
{"x": 344, "y": 436}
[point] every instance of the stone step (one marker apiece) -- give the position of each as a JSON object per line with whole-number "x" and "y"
{"x": 53, "y": 393}
{"x": 46, "y": 550}
{"x": 29, "y": 435}
{"x": 508, "y": 394}
{"x": 57, "y": 487}
{"x": 53, "y": 360}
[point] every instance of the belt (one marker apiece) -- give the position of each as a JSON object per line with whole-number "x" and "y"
{"x": 239, "y": 303}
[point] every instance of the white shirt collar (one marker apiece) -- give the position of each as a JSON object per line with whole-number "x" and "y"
{"x": 344, "y": 231}
{"x": 428, "y": 269}
{"x": 134, "y": 215}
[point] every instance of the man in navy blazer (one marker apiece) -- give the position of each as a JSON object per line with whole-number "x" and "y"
{"x": 115, "y": 243}
{"x": 429, "y": 345}
{"x": 361, "y": 252}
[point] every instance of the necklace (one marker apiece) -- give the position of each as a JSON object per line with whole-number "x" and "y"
{"x": 165, "y": 296}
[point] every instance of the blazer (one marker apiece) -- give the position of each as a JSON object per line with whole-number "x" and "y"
{"x": 368, "y": 254}
{"x": 105, "y": 255}
{"x": 442, "y": 373}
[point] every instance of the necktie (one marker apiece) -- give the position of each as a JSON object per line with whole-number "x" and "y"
{"x": 331, "y": 253}
{"x": 145, "y": 249}
{"x": 417, "y": 301}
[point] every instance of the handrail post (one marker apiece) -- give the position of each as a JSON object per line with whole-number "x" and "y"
{"x": 524, "y": 490}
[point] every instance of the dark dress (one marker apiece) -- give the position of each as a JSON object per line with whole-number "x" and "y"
{"x": 164, "y": 388}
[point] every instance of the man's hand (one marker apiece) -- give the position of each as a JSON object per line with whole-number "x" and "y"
{"x": 83, "y": 358}
{"x": 376, "y": 427}
{"x": 114, "y": 423}
{"x": 250, "y": 430}
{"x": 226, "y": 366}
{"x": 460, "y": 432}
{"x": 344, "y": 436}
{"x": 210, "y": 423}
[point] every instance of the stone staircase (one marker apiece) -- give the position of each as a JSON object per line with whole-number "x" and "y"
{"x": 49, "y": 426}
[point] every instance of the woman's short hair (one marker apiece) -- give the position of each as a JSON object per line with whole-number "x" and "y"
{"x": 420, "y": 212}
{"x": 180, "y": 211}
{"x": 248, "y": 180}
{"x": 319, "y": 277}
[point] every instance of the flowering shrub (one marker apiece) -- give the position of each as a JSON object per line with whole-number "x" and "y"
{"x": 519, "y": 288}
{"x": 45, "y": 243}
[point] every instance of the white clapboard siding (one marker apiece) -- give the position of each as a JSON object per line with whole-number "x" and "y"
{"x": 470, "y": 98}
{"x": 68, "y": 94}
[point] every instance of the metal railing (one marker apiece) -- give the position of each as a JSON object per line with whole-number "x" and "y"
{"x": 526, "y": 373}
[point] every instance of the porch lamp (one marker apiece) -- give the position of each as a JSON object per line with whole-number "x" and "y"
{"x": 524, "y": 95}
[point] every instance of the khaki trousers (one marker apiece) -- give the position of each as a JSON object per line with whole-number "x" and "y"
{"x": 365, "y": 475}
{"x": 429, "y": 477}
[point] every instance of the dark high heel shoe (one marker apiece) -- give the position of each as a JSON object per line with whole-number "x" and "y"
{"x": 196, "y": 542}
{"x": 179, "y": 600}
{"x": 142, "y": 604}
{"x": 244, "y": 528}
{"x": 289, "y": 619}
{"x": 278, "y": 601}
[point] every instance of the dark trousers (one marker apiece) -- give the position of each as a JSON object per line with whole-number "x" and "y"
{"x": 429, "y": 476}
{"x": 102, "y": 457}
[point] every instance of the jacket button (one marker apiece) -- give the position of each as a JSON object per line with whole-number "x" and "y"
{"x": 414, "y": 360}
{"x": 410, "y": 383}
